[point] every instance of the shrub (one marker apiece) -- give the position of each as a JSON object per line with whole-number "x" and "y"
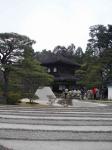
{"x": 13, "y": 98}
{"x": 30, "y": 96}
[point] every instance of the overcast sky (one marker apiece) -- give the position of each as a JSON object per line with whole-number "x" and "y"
{"x": 54, "y": 22}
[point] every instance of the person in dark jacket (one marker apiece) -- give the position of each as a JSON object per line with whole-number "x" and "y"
{"x": 82, "y": 93}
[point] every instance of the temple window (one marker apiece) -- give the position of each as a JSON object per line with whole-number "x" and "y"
{"x": 48, "y": 70}
{"x": 55, "y": 69}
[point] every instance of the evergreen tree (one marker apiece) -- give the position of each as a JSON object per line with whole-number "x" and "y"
{"x": 33, "y": 74}
{"x": 12, "y": 46}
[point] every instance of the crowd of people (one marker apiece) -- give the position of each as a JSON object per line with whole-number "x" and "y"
{"x": 85, "y": 94}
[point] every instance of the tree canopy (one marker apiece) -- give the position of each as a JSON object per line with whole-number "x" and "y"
{"x": 96, "y": 61}
{"x": 19, "y": 64}
{"x": 17, "y": 60}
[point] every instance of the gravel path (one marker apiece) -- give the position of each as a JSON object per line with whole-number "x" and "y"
{"x": 83, "y": 124}
{"x": 57, "y": 122}
{"x": 46, "y": 135}
{"x": 57, "y": 145}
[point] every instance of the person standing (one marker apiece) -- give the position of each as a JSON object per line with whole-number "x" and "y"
{"x": 82, "y": 93}
{"x": 66, "y": 97}
{"x": 94, "y": 93}
{"x": 66, "y": 93}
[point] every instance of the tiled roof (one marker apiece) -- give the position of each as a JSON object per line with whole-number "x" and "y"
{"x": 53, "y": 60}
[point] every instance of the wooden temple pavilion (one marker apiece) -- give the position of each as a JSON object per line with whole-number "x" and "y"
{"x": 63, "y": 71}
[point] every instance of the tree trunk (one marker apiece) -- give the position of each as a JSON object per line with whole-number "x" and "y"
{"x": 6, "y": 82}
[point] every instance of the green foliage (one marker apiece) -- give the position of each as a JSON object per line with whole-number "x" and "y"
{"x": 1, "y": 87}
{"x": 78, "y": 55}
{"x": 31, "y": 97}
{"x": 12, "y": 46}
{"x": 98, "y": 56}
{"x": 13, "y": 98}
{"x": 80, "y": 74}
{"x": 65, "y": 52}
{"x": 89, "y": 74}
{"x": 93, "y": 76}
{"x": 22, "y": 73}
{"x": 33, "y": 74}
{"x": 100, "y": 39}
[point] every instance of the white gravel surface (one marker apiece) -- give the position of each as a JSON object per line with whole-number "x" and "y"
{"x": 59, "y": 136}
{"x": 78, "y": 103}
{"x": 54, "y": 118}
{"x": 52, "y": 112}
{"x": 52, "y": 145}
{"x": 57, "y": 128}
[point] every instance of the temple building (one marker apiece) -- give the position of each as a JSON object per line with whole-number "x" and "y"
{"x": 63, "y": 71}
